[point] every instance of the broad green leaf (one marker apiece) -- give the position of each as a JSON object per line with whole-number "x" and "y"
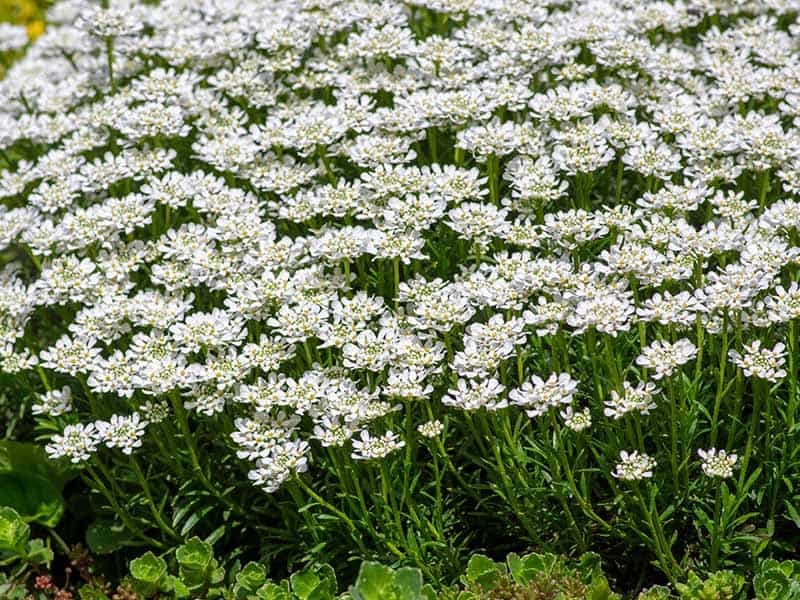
{"x": 328, "y": 574}
{"x": 177, "y": 587}
{"x": 314, "y": 583}
{"x": 105, "y": 537}
{"x": 31, "y": 458}
{"x": 427, "y": 592}
{"x": 657, "y": 592}
{"x": 589, "y": 565}
{"x": 526, "y": 568}
{"x": 374, "y": 582}
{"x": 14, "y": 531}
{"x": 34, "y": 497}
{"x": 249, "y": 579}
{"x": 89, "y": 592}
{"x": 600, "y": 590}
{"x": 195, "y": 555}
{"x": 483, "y": 571}
{"x": 149, "y": 572}
{"x": 37, "y": 553}
{"x": 304, "y": 583}
{"x": 274, "y": 591}
{"x": 408, "y": 583}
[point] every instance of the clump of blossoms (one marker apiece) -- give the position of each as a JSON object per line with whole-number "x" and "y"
{"x": 238, "y": 237}
{"x": 764, "y": 363}
{"x": 717, "y": 463}
{"x": 634, "y": 466}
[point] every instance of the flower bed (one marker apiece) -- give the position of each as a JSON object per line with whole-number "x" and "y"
{"x": 321, "y": 281}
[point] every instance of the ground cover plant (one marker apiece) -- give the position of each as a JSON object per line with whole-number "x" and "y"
{"x": 319, "y": 282}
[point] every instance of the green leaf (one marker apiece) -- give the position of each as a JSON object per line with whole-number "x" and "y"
{"x": 526, "y": 568}
{"x": 483, "y": 571}
{"x": 657, "y": 592}
{"x": 314, "y": 584}
{"x": 794, "y": 515}
{"x": 599, "y": 589}
{"x": 177, "y": 587}
{"x": 89, "y": 592}
{"x": 249, "y": 579}
{"x": 105, "y": 537}
{"x": 31, "y": 458}
{"x": 149, "y": 573}
{"x": 427, "y": 592}
{"x": 777, "y": 580}
{"x": 34, "y": 497}
{"x": 14, "y": 531}
{"x": 374, "y": 582}
{"x": 195, "y": 555}
{"x": 408, "y": 583}
{"x": 274, "y": 591}
{"x": 37, "y": 553}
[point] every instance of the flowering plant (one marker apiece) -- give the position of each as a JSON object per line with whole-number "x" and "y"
{"x": 319, "y": 279}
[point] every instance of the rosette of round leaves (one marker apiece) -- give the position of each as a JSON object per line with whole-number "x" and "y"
{"x": 199, "y": 574}
{"x": 249, "y": 580}
{"x": 15, "y": 542}
{"x": 149, "y": 573}
{"x": 379, "y": 582}
{"x": 198, "y": 570}
{"x": 531, "y": 573}
{"x": 722, "y": 585}
{"x": 313, "y": 583}
{"x": 777, "y": 580}
{"x": 18, "y": 552}
{"x": 656, "y": 592}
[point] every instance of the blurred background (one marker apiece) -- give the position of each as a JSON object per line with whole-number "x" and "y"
{"x": 28, "y": 13}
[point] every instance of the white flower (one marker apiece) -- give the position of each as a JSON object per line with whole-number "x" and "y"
{"x": 633, "y": 399}
{"x": 470, "y": 394}
{"x": 717, "y": 463}
{"x": 123, "y": 432}
{"x": 12, "y": 37}
{"x": 761, "y": 362}
{"x": 577, "y": 421}
{"x": 537, "y": 396}
{"x": 665, "y": 357}
{"x": 77, "y": 442}
{"x": 634, "y": 466}
{"x": 367, "y": 447}
{"x": 430, "y": 429}
{"x": 54, "y": 402}
{"x": 155, "y": 411}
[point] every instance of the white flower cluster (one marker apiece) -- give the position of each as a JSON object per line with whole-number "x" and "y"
{"x": 761, "y": 362}
{"x": 298, "y": 213}
{"x": 717, "y": 463}
{"x": 664, "y": 357}
{"x": 78, "y": 442}
{"x": 634, "y": 466}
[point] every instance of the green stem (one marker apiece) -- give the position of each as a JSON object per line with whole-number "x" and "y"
{"x": 330, "y": 507}
{"x": 752, "y": 433}
{"x": 723, "y": 359}
{"x": 165, "y": 528}
{"x": 715, "y": 537}
{"x": 119, "y": 511}
{"x": 110, "y": 62}
{"x": 673, "y": 426}
{"x": 396, "y": 274}
{"x": 763, "y": 188}
{"x": 662, "y": 549}
{"x": 388, "y": 498}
